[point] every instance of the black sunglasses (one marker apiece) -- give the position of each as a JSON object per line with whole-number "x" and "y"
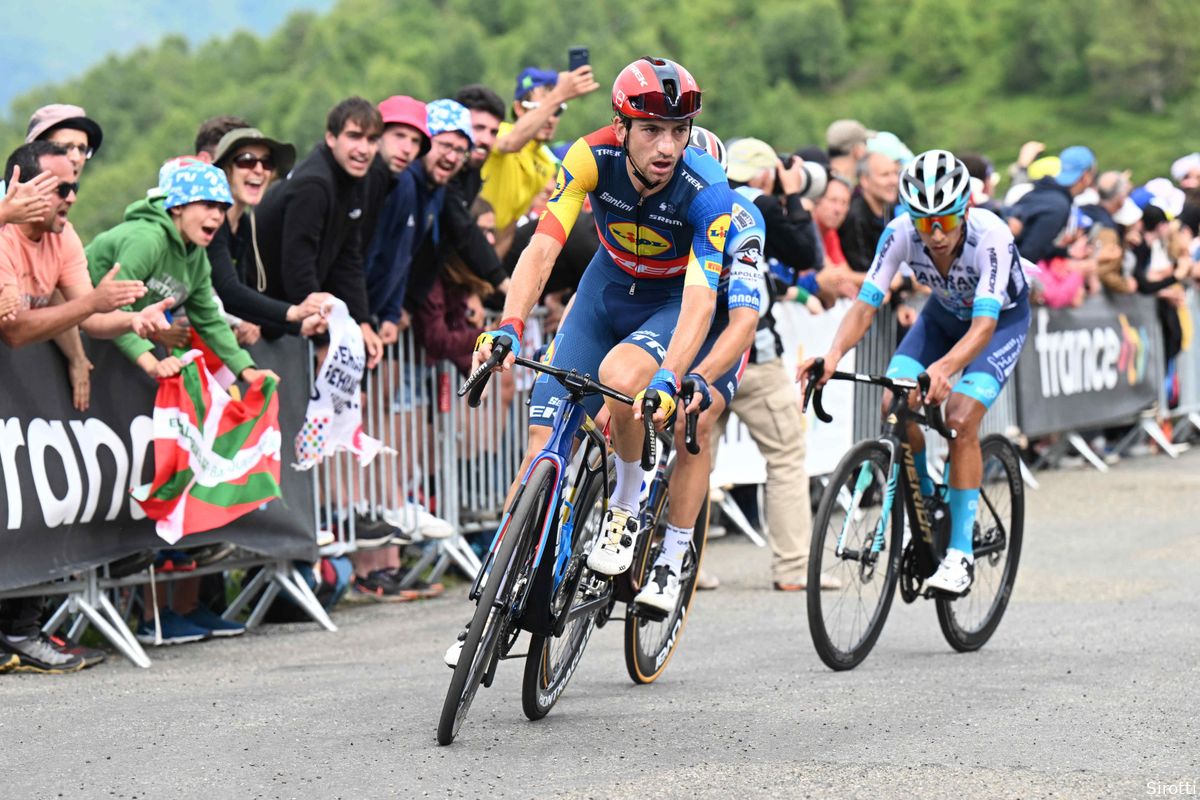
{"x": 248, "y": 160}
{"x": 64, "y": 189}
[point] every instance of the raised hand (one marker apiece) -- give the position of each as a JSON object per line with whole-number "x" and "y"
{"x": 28, "y": 202}
{"x": 152, "y": 319}
{"x": 111, "y": 294}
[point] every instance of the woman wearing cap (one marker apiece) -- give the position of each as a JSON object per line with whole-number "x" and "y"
{"x": 251, "y": 161}
{"x": 162, "y": 243}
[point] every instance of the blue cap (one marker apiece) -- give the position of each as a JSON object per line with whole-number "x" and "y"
{"x": 1075, "y": 160}
{"x": 449, "y": 116}
{"x": 196, "y": 183}
{"x": 531, "y": 78}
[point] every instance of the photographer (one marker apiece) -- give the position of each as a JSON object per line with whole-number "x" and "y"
{"x": 779, "y": 191}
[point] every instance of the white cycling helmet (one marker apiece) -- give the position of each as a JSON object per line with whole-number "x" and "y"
{"x": 935, "y": 183}
{"x": 709, "y": 142}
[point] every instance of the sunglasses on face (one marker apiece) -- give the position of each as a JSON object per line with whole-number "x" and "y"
{"x": 947, "y": 222}
{"x": 249, "y": 160}
{"x": 82, "y": 149}
{"x": 64, "y": 189}
{"x": 530, "y": 105}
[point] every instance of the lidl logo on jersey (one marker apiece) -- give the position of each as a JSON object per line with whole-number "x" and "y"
{"x": 639, "y": 239}
{"x": 717, "y": 232}
{"x": 560, "y": 186}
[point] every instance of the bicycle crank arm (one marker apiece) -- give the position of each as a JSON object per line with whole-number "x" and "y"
{"x": 587, "y": 606}
{"x": 648, "y": 612}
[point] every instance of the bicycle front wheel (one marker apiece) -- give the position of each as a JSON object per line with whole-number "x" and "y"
{"x": 650, "y": 643}
{"x": 856, "y": 552}
{"x": 552, "y": 660}
{"x": 969, "y": 621}
{"x": 490, "y": 626}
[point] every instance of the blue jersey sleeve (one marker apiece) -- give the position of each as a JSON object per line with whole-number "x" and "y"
{"x": 745, "y": 245}
{"x": 709, "y": 217}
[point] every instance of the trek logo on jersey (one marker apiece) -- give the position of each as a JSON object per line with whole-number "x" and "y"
{"x": 717, "y": 232}
{"x": 639, "y": 239}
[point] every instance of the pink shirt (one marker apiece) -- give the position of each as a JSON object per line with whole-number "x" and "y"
{"x": 38, "y": 268}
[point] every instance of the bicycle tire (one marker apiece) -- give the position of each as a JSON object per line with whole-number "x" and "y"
{"x": 547, "y": 673}
{"x": 969, "y": 621}
{"x": 825, "y": 608}
{"x": 650, "y": 645}
{"x": 489, "y": 625}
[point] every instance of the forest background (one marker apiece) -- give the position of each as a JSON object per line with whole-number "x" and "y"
{"x": 1117, "y": 75}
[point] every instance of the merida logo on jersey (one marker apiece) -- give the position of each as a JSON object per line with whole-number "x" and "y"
{"x": 639, "y": 239}
{"x": 612, "y": 201}
{"x": 994, "y": 263}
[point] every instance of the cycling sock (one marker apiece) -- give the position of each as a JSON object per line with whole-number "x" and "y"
{"x": 676, "y": 542}
{"x": 963, "y": 505}
{"x": 923, "y": 473}
{"x": 628, "y": 490}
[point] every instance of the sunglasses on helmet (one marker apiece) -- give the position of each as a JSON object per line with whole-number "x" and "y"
{"x": 657, "y": 104}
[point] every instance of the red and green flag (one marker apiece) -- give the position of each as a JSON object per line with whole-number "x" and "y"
{"x": 215, "y": 458}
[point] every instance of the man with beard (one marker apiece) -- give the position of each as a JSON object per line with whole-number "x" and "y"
{"x": 520, "y": 164}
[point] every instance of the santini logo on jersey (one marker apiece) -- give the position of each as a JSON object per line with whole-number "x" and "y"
{"x": 614, "y": 202}
{"x": 639, "y": 239}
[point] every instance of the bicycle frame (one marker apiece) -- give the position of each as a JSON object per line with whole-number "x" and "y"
{"x": 570, "y": 420}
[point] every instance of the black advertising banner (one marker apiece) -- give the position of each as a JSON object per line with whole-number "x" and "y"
{"x": 1091, "y": 366}
{"x": 66, "y": 475}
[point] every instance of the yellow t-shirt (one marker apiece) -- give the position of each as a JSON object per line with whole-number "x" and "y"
{"x": 512, "y": 180}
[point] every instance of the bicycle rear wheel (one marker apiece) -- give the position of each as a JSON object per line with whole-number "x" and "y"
{"x": 491, "y": 624}
{"x": 552, "y": 660}
{"x": 649, "y": 643}
{"x": 846, "y": 622}
{"x": 969, "y": 621}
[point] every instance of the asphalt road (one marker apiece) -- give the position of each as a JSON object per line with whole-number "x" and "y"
{"x": 1088, "y": 689}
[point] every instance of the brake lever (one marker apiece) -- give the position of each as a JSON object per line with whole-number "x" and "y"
{"x": 477, "y": 381}
{"x": 687, "y": 390}
{"x": 811, "y": 392}
{"x": 649, "y": 444}
{"x": 933, "y": 413}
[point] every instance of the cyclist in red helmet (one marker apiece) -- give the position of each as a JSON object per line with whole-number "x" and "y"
{"x": 645, "y": 301}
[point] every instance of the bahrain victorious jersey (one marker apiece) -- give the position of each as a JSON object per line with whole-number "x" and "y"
{"x": 678, "y": 231}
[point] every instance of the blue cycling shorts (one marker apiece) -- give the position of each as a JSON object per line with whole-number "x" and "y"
{"x": 727, "y": 383}
{"x": 937, "y": 330}
{"x": 604, "y": 315}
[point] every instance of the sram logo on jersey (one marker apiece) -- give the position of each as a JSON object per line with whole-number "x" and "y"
{"x": 639, "y": 239}
{"x": 717, "y": 232}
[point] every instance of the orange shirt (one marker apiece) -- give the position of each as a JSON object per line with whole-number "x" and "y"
{"x": 38, "y": 268}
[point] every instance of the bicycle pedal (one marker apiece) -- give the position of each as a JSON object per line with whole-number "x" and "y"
{"x": 649, "y": 612}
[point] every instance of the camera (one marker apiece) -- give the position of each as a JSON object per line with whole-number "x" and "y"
{"x": 814, "y": 177}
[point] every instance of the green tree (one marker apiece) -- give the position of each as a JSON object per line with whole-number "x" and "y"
{"x": 806, "y": 41}
{"x": 936, "y": 40}
{"x": 1146, "y": 63}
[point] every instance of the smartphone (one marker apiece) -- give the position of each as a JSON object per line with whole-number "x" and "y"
{"x": 577, "y": 57}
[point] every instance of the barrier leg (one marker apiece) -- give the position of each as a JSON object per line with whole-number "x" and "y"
{"x": 118, "y": 636}
{"x": 1076, "y": 441}
{"x": 1027, "y": 475}
{"x": 428, "y": 556}
{"x": 1155, "y": 432}
{"x": 735, "y": 515}
{"x": 264, "y": 602}
{"x": 440, "y": 566}
{"x": 288, "y": 577}
{"x": 57, "y": 618}
{"x": 118, "y": 624}
{"x": 248, "y": 591}
{"x": 464, "y": 557}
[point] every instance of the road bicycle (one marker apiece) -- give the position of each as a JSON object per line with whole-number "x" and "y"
{"x": 535, "y": 577}
{"x": 859, "y": 541}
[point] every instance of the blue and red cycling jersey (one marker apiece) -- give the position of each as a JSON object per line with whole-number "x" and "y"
{"x": 677, "y": 231}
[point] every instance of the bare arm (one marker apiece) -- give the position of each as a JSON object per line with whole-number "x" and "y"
{"x": 530, "y": 276}
{"x": 570, "y": 85}
{"x": 695, "y": 316}
{"x": 730, "y": 345}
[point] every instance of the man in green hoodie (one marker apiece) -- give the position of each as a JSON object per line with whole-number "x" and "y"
{"x": 162, "y": 243}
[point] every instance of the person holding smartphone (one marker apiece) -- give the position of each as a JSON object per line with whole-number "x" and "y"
{"x": 520, "y": 164}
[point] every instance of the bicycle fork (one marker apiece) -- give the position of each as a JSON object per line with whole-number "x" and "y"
{"x": 861, "y": 485}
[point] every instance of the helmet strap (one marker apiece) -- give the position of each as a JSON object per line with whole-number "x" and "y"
{"x": 637, "y": 173}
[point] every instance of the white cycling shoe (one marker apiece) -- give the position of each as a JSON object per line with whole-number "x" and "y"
{"x": 662, "y": 590}
{"x": 613, "y": 553}
{"x": 954, "y": 574}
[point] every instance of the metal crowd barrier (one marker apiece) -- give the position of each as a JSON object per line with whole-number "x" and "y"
{"x": 1187, "y": 412}
{"x": 455, "y": 461}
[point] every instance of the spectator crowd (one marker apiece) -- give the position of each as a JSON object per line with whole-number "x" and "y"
{"x": 413, "y": 212}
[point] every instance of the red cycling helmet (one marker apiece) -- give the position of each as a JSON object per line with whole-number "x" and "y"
{"x": 655, "y": 88}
